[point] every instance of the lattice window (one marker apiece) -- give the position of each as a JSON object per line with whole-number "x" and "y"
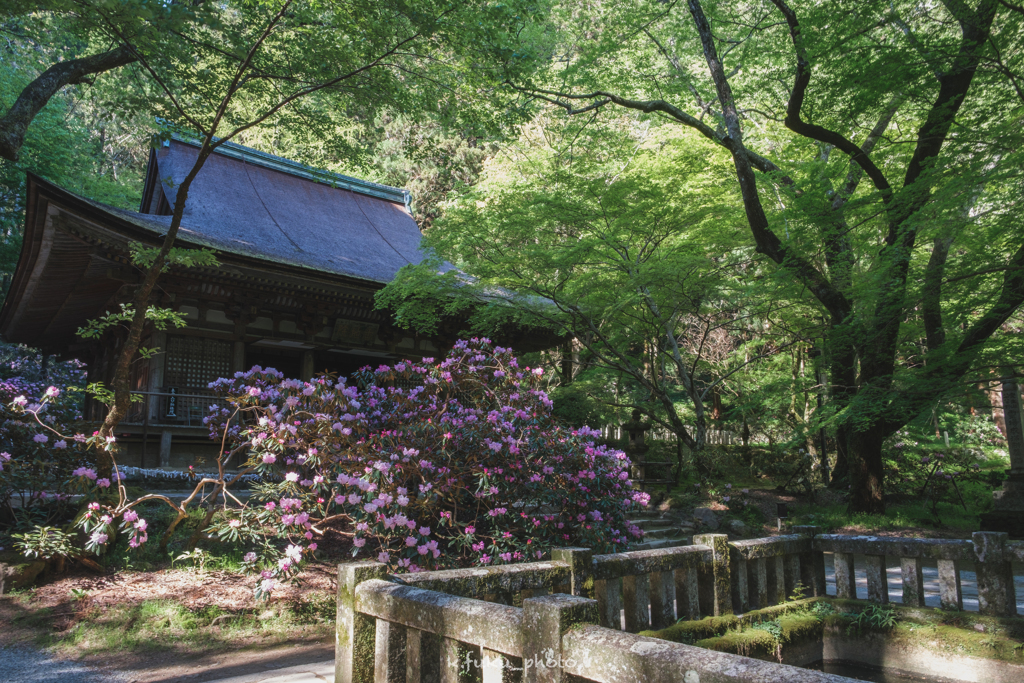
{"x": 195, "y": 362}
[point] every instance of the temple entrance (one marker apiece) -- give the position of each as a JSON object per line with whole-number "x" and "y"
{"x": 287, "y": 361}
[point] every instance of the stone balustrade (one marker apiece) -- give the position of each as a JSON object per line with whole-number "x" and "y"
{"x": 392, "y": 632}
{"x": 990, "y": 553}
{"x": 767, "y": 571}
{"x": 647, "y": 586}
{"x": 426, "y": 626}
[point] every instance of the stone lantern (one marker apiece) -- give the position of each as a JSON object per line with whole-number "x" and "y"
{"x": 637, "y": 447}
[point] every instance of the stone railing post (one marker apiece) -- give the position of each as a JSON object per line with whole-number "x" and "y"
{"x": 715, "y": 581}
{"x": 846, "y": 581}
{"x": 663, "y": 599}
{"x": 775, "y": 575}
{"x": 878, "y": 580}
{"x": 950, "y": 594}
{"x": 739, "y": 576}
{"x": 758, "y": 581}
{"x": 996, "y": 595}
{"x": 913, "y": 581}
{"x": 812, "y": 564}
{"x": 580, "y": 561}
{"x": 355, "y": 634}
{"x": 389, "y": 652}
{"x": 636, "y": 600}
{"x": 609, "y": 598}
{"x": 545, "y": 621}
{"x": 687, "y": 593}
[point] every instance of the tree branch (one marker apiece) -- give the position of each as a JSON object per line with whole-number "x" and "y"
{"x": 14, "y": 124}
{"x": 767, "y": 241}
{"x": 815, "y": 132}
{"x": 648, "y": 106}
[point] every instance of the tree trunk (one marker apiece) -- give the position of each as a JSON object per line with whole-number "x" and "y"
{"x": 567, "y": 362}
{"x": 1014, "y": 426}
{"x": 842, "y": 388}
{"x": 866, "y": 473}
{"x": 121, "y": 382}
{"x": 841, "y": 471}
{"x": 995, "y": 397}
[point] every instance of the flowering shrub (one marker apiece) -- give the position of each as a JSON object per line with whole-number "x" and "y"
{"x": 36, "y": 461}
{"x": 454, "y": 464}
{"x": 46, "y": 461}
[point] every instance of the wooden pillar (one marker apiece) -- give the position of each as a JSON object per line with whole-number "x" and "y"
{"x": 165, "y": 449}
{"x": 307, "y": 365}
{"x": 238, "y": 357}
{"x": 156, "y": 374}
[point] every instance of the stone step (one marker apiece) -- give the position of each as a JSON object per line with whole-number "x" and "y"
{"x": 652, "y": 523}
{"x": 666, "y": 532}
{"x": 663, "y": 543}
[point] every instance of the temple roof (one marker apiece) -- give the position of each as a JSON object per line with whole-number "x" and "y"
{"x": 270, "y": 220}
{"x": 254, "y": 204}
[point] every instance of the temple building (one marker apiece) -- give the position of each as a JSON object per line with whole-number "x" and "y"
{"x": 301, "y": 253}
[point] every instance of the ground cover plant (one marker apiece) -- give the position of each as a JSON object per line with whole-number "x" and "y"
{"x": 162, "y": 624}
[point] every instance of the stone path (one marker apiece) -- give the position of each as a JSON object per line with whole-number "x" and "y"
{"x": 319, "y": 672}
{"x": 28, "y": 665}
{"x": 930, "y": 572}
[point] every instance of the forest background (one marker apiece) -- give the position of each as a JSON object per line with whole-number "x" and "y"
{"x": 795, "y": 223}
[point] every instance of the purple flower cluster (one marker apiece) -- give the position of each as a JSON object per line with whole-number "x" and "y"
{"x": 428, "y": 465}
{"x": 35, "y": 409}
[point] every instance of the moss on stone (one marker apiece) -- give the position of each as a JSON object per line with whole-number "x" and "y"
{"x": 962, "y": 633}
{"x": 966, "y": 634}
{"x": 692, "y": 631}
{"x": 799, "y": 626}
{"x": 756, "y": 641}
{"x": 710, "y": 627}
{"x": 752, "y": 642}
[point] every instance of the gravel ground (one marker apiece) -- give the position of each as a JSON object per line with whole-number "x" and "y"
{"x": 26, "y": 665}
